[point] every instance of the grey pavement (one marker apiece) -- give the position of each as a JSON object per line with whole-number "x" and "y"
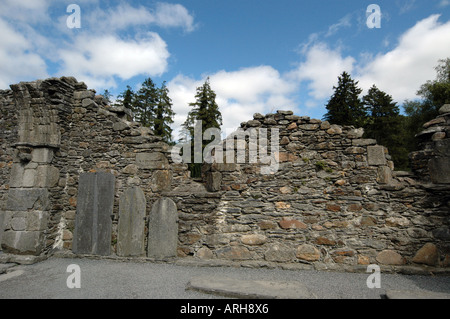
{"x": 107, "y": 279}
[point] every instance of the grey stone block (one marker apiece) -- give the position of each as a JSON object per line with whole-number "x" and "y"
{"x": 16, "y": 177}
{"x": 163, "y": 229}
{"x": 375, "y": 155}
{"x": 213, "y": 181}
{"x": 152, "y": 161}
{"x": 21, "y": 199}
{"x": 94, "y": 209}
{"x": 131, "y": 227}
{"x": 46, "y": 176}
{"x": 440, "y": 170}
{"x": 37, "y": 220}
{"x": 42, "y": 155}
{"x": 23, "y": 242}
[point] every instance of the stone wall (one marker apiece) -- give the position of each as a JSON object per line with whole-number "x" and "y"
{"x": 55, "y": 130}
{"x": 333, "y": 201}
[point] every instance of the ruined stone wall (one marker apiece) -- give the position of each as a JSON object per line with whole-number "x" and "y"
{"x": 334, "y": 200}
{"x": 58, "y": 129}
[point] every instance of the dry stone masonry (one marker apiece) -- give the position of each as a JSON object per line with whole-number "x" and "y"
{"x": 79, "y": 176}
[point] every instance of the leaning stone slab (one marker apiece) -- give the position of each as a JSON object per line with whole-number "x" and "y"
{"x": 250, "y": 289}
{"x": 94, "y": 209}
{"x": 163, "y": 229}
{"x": 130, "y": 237}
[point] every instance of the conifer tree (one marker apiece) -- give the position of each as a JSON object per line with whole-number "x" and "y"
{"x": 126, "y": 98}
{"x": 144, "y": 104}
{"x": 163, "y": 114}
{"x": 345, "y": 107}
{"x": 206, "y": 110}
{"x": 384, "y": 124}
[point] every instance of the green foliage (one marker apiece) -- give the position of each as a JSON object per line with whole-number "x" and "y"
{"x": 380, "y": 116}
{"x": 345, "y": 106}
{"x": 434, "y": 94}
{"x": 204, "y": 109}
{"x": 152, "y": 107}
{"x": 144, "y": 103}
{"x": 385, "y": 125}
{"x": 126, "y": 98}
{"x": 163, "y": 114}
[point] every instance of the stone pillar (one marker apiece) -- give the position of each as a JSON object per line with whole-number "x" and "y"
{"x": 33, "y": 173}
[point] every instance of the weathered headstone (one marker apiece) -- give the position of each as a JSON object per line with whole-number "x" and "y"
{"x": 163, "y": 229}
{"x": 94, "y": 209}
{"x": 130, "y": 233}
{"x": 2, "y": 227}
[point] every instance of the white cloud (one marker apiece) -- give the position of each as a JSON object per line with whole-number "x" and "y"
{"x": 124, "y": 15}
{"x": 19, "y": 62}
{"x": 411, "y": 63}
{"x": 97, "y": 60}
{"x": 344, "y": 22}
{"x": 444, "y": 3}
{"x": 25, "y": 11}
{"x": 240, "y": 94}
{"x": 321, "y": 68}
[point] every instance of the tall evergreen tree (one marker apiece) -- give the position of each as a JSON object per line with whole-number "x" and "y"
{"x": 204, "y": 109}
{"x": 385, "y": 124}
{"x": 345, "y": 107}
{"x": 126, "y": 98}
{"x": 145, "y": 101}
{"x": 163, "y": 114}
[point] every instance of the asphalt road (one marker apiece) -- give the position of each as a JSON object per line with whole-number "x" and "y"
{"x": 107, "y": 279}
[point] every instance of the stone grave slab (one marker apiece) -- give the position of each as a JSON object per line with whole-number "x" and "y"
{"x": 131, "y": 227}
{"x": 94, "y": 209}
{"x": 163, "y": 229}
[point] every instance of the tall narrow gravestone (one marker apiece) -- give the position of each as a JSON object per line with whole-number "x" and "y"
{"x": 94, "y": 209}
{"x": 2, "y": 227}
{"x": 130, "y": 233}
{"x": 163, "y": 229}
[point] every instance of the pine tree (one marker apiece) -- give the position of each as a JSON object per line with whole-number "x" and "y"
{"x": 107, "y": 95}
{"x": 385, "y": 124}
{"x": 206, "y": 110}
{"x": 126, "y": 98}
{"x": 163, "y": 114}
{"x": 144, "y": 104}
{"x": 345, "y": 107}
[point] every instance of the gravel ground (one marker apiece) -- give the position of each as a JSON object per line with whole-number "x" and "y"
{"x": 107, "y": 279}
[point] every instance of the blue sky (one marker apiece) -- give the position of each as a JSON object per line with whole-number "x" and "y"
{"x": 261, "y": 56}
